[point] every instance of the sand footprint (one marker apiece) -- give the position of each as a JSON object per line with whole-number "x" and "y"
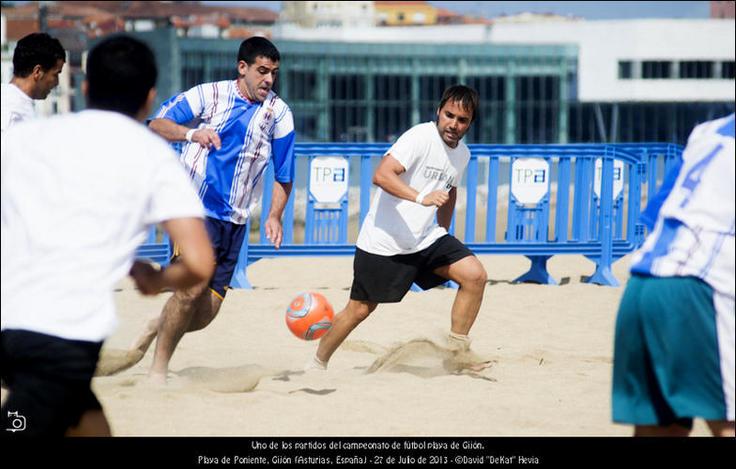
{"x": 420, "y": 357}
{"x": 364, "y": 346}
{"x": 225, "y": 380}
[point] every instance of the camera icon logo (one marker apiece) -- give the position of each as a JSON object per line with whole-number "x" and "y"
{"x": 17, "y": 422}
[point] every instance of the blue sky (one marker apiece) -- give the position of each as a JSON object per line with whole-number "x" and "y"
{"x": 590, "y": 10}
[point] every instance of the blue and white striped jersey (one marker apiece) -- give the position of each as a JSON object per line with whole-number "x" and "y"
{"x": 694, "y": 231}
{"x": 230, "y": 180}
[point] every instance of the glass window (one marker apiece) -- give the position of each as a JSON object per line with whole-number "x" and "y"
{"x": 727, "y": 70}
{"x": 224, "y": 73}
{"x": 302, "y": 85}
{"x": 669, "y": 122}
{"x": 305, "y": 126}
{"x": 488, "y": 124}
{"x": 537, "y": 109}
{"x": 625, "y": 69}
{"x": 392, "y": 113}
{"x": 653, "y": 69}
{"x": 696, "y": 69}
{"x": 431, "y": 88}
{"x": 347, "y": 109}
{"x": 191, "y": 76}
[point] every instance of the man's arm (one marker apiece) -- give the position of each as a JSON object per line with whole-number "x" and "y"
{"x": 387, "y": 178}
{"x": 196, "y": 265}
{"x": 174, "y": 132}
{"x": 274, "y": 230}
{"x": 444, "y": 213}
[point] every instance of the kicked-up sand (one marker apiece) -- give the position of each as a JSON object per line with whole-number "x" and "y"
{"x": 549, "y": 352}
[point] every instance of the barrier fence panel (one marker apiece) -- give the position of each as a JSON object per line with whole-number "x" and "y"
{"x": 559, "y": 199}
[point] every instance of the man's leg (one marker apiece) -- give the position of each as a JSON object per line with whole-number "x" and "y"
{"x": 185, "y": 311}
{"x": 654, "y": 430}
{"x": 92, "y": 423}
{"x": 721, "y": 428}
{"x": 202, "y": 317}
{"x": 112, "y": 362}
{"x": 469, "y": 273}
{"x": 345, "y": 321}
{"x": 141, "y": 344}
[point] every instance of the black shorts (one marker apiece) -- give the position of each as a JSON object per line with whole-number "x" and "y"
{"x": 48, "y": 379}
{"x": 386, "y": 279}
{"x": 227, "y": 240}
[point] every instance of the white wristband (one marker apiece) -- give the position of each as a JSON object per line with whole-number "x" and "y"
{"x": 419, "y": 199}
{"x": 190, "y": 134}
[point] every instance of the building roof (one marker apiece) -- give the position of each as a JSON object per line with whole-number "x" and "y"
{"x": 528, "y": 17}
{"x": 398, "y": 3}
{"x": 255, "y": 15}
{"x": 447, "y": 16}
{"x": 19, "y": 28}
{"x": 163, "y": 10}
{"x": 97, "y": 18}
{"x": 444, "y": 12}
{"x": 239, "y": 32}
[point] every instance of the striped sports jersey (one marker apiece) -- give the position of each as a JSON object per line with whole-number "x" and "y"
{"x": 694, "y": 231}
{"x": 230, "y": 180}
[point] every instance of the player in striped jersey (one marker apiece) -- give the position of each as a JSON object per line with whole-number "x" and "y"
{"x": 674, "y": 347}
{"x": 229, "y": 130}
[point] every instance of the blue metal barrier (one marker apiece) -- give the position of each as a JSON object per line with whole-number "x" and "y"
{"x": 157, "y": 247}
{"x": 603, "y": 228}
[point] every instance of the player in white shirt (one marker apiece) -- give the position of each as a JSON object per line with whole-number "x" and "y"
{"x": 400, "y": 242}
{"x": 37, "y": 62}
{"x": 674, "y": 348}
{"x": 73, "y": 214}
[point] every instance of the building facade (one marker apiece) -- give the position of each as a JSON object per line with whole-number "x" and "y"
{"x": 328, "y": 14}
{"x": 368, "y": 92}
{"x": 553, "y": 81}
{"x": 546, "y": 82}
{"x": 406, "y": 13}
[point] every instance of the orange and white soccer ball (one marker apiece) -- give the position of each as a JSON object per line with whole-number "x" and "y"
{"x": 309, "y": 316}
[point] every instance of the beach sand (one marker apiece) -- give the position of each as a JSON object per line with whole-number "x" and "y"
{"x": 551, "y": 348}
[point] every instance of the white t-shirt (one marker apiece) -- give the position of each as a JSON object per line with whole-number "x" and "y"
{"x": 694, "y": 233}
{"x": 79, "y": 192}
{"x": 16, "y": 106}
{"x": 397, "y": 226}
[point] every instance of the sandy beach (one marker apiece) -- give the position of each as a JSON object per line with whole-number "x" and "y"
{"x": 551, "y": 348}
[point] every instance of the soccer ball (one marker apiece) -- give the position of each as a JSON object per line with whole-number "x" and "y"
{"x": 309, "y": 316}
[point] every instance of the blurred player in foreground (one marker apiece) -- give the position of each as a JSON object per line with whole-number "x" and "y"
{"x": 674, "y": 346}
{"x": 76, "y": 204}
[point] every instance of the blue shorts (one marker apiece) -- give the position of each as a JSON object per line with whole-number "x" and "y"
{"x": 227, "y": 240}
{"x": 674, "y": 353}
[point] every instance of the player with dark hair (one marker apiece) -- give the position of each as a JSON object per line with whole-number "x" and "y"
{"x": 73, "y": 214}
{"x": 37, "y": 62}
{"x": 400, "y": 242}
{"x": 230, "y": 130}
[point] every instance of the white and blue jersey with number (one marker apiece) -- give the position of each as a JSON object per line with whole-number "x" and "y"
{"x": 694, "y": 230}
{"x": 230, "y": 180}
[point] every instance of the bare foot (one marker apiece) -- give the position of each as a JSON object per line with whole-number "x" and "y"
{"x": 477, "y": 367}
{"x": 157, "y": 379}
{"x": 315, "y": 363}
